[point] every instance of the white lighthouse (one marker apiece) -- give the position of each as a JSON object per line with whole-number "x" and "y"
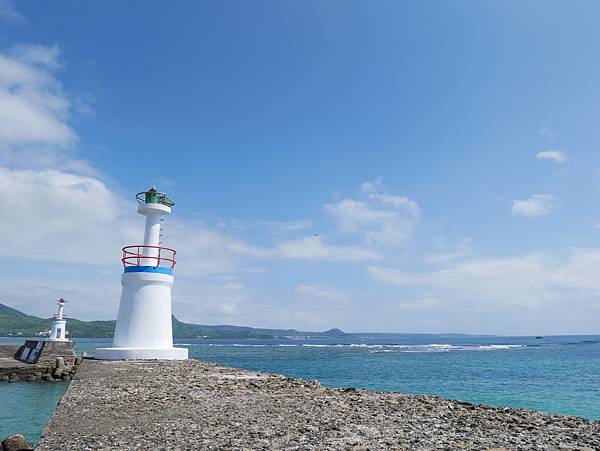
{"x": 59, "y": 323}
{"x": 144, "y": 328}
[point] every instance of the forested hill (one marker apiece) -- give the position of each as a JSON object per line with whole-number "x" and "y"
{"x": 16, "y": 323}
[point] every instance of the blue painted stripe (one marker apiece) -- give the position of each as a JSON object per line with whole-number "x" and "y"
{"x": 154, "y": 269}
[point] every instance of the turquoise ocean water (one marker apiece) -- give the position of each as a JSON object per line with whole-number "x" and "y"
{"x": 553, "y": 374}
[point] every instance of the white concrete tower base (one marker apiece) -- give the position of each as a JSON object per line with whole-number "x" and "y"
{"x": 144, "y": 326}
{"x": 58, "y": 332}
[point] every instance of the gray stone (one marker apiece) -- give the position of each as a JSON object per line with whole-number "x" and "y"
{"x": 16, "y": 443}
{"x": 60, "y": 362}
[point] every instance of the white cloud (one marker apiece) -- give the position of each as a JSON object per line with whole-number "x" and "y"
{"x": 548, "y": 132}
{"x": 322, "y": 291}
{"x": 217, "y": 301}
{"x": 286, "y": 226}
{"x": 579, "y": 271}
{"x": 536, "y": 205}
{"x": 555, "y": 155}
{"x": 37, "y": 55}
{"x": 33, "y": 107}
{"x": 394, "y": 276}
{"x": 449, "y": 251}
{"x": 382, "y": 219}
{"x": 443, "y": 257}
{"x": 56, "y": 216}
{"x": 278, "y": 226}
{"x": 314, "y": 248}
{"x": 528, "y": 280}
{"x": 420, "y": 304}
{"x": 34, "y": 111}
{"x": 374, "y": 190}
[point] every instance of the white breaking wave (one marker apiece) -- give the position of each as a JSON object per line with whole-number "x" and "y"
{"x": 375, "y": 348}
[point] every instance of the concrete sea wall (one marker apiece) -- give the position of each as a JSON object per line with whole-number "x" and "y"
{"x": 191, "y": 405}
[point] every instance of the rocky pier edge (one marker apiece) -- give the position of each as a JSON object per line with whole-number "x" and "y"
{"x": 193, "y": 405}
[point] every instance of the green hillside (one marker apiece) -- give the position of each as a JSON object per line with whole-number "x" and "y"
{"x": 16, "y": 323}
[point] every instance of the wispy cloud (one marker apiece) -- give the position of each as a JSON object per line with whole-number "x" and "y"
{"x": 556, "y": 155}
{"x": 280, "y": 226}
{"x": 548, "y": 132}
{"x": 528, "y": 280}
{"x": 34, "y": 111}
{"x": 535, "y": 205}
{"x": 322, "y": 291}
{"x": 381, "y": 218}
{"x": 374, "y": 190}
{"x": 315, "y": 248}
{"x": 38, "y": 55}
{"x": 420, "y": 304}
{"x": 446, "y": 251}
{"x": 8, "y": 13}
{"x": 394, "y": 276}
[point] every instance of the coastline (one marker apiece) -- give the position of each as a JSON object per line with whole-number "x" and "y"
{"x": 197, "y": 405}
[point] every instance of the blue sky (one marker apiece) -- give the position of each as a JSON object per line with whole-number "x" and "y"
{"x": 388, "y": 166}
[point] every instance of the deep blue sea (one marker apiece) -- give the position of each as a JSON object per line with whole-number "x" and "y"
{"x": 554, "y": 374}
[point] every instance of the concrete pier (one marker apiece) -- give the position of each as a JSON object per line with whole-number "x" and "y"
{"x": 36, "y": 360}
{"x": 191, "y": 405}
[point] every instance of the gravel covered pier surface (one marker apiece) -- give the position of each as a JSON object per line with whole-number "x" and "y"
{"x": 191, "y": 405}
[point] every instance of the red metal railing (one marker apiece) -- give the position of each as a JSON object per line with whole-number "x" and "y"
{"x": 140, "y": 255}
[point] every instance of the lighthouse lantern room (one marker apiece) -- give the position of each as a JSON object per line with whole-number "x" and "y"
{"x": 144, "y": 327}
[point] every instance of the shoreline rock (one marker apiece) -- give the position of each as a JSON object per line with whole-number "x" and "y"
{"x": 16, "y": 442}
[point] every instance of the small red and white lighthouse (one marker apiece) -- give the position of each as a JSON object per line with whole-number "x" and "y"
{"x": 144, "y": 328}
{"x": 59, "y": 323}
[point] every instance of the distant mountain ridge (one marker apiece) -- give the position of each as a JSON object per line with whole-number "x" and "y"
{"x": 16, "y": 323}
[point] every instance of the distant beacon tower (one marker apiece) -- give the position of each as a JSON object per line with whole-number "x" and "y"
{"x": 59, "y": 323}
{"x": 144, "y": 328}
